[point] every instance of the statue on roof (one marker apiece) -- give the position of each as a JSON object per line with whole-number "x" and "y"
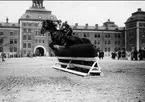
{"x": 37, "y": 3}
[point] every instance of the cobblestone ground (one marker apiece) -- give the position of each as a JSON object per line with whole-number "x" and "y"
{"x": 34, "y": 80}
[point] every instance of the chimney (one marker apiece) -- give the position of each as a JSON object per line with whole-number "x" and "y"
{"x": 139, "y": 9}
{"x": 7, "y": 20}
{"x": 76, "y": 24}
{"x": 86, "y": 24}
{"x": 96, "y": 26}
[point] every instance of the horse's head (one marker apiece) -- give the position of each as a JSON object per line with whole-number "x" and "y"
{"x": 48, "y": 25}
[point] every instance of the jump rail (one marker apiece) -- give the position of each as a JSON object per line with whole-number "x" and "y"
{"x": 79, "y": 65}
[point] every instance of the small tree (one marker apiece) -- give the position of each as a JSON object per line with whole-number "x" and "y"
{"x": 2, "y": 45}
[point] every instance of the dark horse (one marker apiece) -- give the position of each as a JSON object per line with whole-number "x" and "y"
{"x": 64, "y": 43}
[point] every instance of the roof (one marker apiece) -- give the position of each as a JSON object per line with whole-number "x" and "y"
{"x": 81, "y": 27}
{"x": 137, "y": 16}
{"x": 38, "y": 13}
{"x": 10, "y": 25}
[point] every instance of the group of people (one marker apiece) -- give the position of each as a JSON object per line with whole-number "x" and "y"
{"x": 133, "y": 54}
{"x": 101, "y": 54}
{"x": 119, "y": 55}
{"x": 138, "y": 55}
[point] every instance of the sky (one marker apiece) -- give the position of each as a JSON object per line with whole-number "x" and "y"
{"x": 81, "y": 12}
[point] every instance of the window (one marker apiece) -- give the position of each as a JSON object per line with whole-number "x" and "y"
{"x": 105, "y": 49}
{"x": 24, "y": 45}
{"x": 43, "y": 41}
{"x": 24, "y": 37}
{"x": 98, "y": 41}
{"x": 35, "y": 40}
{"x": 29, "y": 45}
{"x": 115, "y": 42}
{"x": 27, "y": 16}
{"x": 11, "y": 41}
{"x": 1, "y": 33}
{"x": 36, "y": 24}
{"x": 30, "y": 24}
{"x": 143, "y": 40}
{"x": 1, "y": 41}
{"x": 118, "y": 42}
{"x": 108, "y": 41}
{"x": 11, "y": 33}
{"x": 108, "y": 35}
{"x": 118, "y": 35}
{"x": 24, "y": 30}
{"x": 115, "y": 49}
{"x": 37, "y": 33}
{"x": 15, "y": 41}
{"x": 98, "y": 35}
{"x": 29, "y": 37}
{"x": 1, "y": 49}
{"x": 130, "y": 41}
{"x": 108, "y": 49}
{"x": 105, "y": 42}
{"x": 13, "y": 25}
{"x": 39, "y": 40}
{"x": 29, "y": 30}
{"x": 95, "y": 35}
{"x": 23, "y": 24}
{"x": 95, "y": 42}
{"x": 85, "y": 35}
{"x": 15, "y": 49}
{"x": 115, "y": 35}
{"x": 11, "y": 49}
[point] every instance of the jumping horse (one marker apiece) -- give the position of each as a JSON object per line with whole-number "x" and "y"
{"x": 64, "y": 43}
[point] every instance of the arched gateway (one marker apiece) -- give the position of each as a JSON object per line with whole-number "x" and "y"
{"x": 40, "y": 50}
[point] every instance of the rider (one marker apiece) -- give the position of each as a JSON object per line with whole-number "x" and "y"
{"x": 66, "y": 29}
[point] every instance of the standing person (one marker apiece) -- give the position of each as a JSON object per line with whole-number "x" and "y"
{"x": 102, "y": 54}
{"x": 2, "y": 55}
{"x": 119, "y": 55}
{"x": 140, "y": 54}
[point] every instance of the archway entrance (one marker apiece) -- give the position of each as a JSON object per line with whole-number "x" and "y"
{"x": 39, "y": 51}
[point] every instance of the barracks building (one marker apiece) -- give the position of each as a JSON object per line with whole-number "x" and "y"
{"x": 24, "y": 38}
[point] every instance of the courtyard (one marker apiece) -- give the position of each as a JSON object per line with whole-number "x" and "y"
{"x": 34, "y": 80}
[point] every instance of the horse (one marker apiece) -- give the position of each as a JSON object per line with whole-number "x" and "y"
{"x": 64, "y": 43}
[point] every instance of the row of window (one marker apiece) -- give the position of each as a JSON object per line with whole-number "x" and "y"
{"x": 11, "y": 33}
{"x": 39, "y": 40}
{"x": 131, "y": 41}
{"x": 27, "y": 30}
{"x": 107, "y": 42}
{"x": 107, "y": 35}
{"x": 13, "y": 49}
{"x": 1, "y": 33}
{"x": 30, "y": 24}
{"x": 38, "y": 33}
{"x": 13, "y": 41}
{"x": 131, "y": 25}
{"x": 141, "y": 24}
{"x": 26, "y": 46}
{"x": 27, "y": 37}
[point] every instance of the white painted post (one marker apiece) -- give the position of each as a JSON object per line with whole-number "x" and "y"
{"x": 137, "y": 38}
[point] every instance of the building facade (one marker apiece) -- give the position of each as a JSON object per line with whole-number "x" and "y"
{"x": 24, "y": 37}
{"x": 11, "y": 33}
{"x": 108, "y": 37}
{"x": 135, "y": 30}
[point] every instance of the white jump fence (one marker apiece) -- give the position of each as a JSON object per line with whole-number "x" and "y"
{"x": 78, "y": 65}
